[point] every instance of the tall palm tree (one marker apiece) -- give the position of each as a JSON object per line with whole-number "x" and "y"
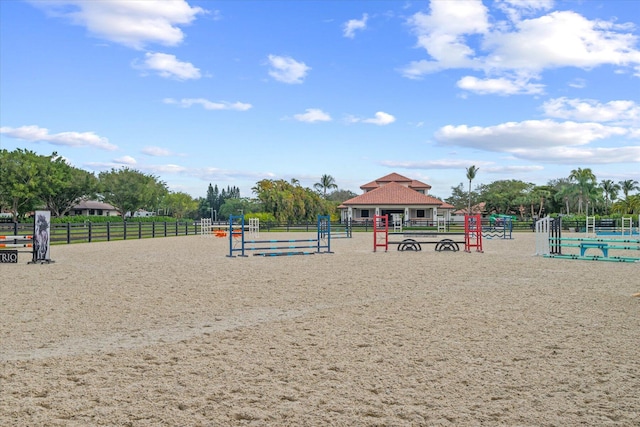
{"x": 564, "y": 191}
{"x": 627, "y": 186}
{"x": 471, "y": 175}
{"x": 585, "y": 180}
{"x": 327, "y": 182}
{"x": 541, "y": 194}
{"x": 610, "y": 190}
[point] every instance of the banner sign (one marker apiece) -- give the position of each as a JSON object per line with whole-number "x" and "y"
{"x": 8, "y": 257}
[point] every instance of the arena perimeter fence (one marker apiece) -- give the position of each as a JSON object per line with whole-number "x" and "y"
{"x": 66, "y": 233}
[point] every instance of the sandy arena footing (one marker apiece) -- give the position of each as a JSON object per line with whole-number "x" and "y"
{"x": 172, "y": 332}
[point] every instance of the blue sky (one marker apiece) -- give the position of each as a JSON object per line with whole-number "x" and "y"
{"x": 232, "y": 92}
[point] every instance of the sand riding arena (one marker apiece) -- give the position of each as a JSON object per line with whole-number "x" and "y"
{"x": 173, "y": 332}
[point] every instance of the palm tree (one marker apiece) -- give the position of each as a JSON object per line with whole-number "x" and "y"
{"x": 630, "y": 205}
{"x": 326, "y": 182}
{"x": 585, "y": 181}
{"x": 564, "y": 191}
{"x": 610, "y": 190}
{"x": 627, "y": 186}
{"x": 541, "y": 193}
{"x": 471, "y": 175}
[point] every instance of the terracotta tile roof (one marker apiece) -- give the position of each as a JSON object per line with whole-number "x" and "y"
{"x": 395, "y": 177}
{"x": 419, "y": 184}
{"x": 393, "y": 194}
{"x": 369, "y": 186}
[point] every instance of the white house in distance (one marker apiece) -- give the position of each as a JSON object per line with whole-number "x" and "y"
{"x": 92, "y": 207}
{"x": 395, "y": 194}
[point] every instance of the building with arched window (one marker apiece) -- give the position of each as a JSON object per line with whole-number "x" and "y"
{"x": 396, "y": 195}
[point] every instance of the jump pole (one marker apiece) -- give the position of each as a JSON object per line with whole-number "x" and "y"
{"x": 238, "y": 243}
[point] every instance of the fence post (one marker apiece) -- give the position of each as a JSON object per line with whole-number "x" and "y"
{"x": 124, "y": 232}
{"x": 108, "y": 231}
{"x": 90, "y": 231}
{"x": 68, "y": 233}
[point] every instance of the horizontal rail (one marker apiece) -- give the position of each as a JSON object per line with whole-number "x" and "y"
{"x": 280, "y": 241}
{"x": 426, "y": 233}
{"x": 266, "y": 254}
{"x": 433, "y": 242}
{"x": 271, "y": 248}
{"x": 586, "y": 239}
{"x": 593, "y": 258}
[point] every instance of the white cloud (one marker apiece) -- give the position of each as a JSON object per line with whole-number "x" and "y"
{"x": 462, "y": 164}
{"x": 458, "y": 35}
{"x": 381, "y": 119}
{"x": 287, "y": 70}
{"x": 544, "y": 140}
{"x": 591, "y": 110}
{"x": 126, "y": 160}
{"x": 515, "y": 9}
{"x": 130, "y": 23}
{"x": 578, "y": 83}
{"x": 560, "y": 39}
{"x": 216, "y": 174}
{"x": 71, "y": 139}
{"x": 512, "y": 136}
{"x": 513, "y": 169}
{"x": 442, "y": 33}
{"x": 583, "y": 155}
{"x": 499, "y": 86}
{"x": 169, "y": 66}
{"x": 170, "y": 168}
{"x": 156, "y": 151}
{"x": 435, "y": 164}
{"x": 312, "y": 115}
{"x": 209, "y": 105}
{"x": 352, "y": 25}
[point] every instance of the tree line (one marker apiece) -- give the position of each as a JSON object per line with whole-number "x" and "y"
{"x": 580, "y": 193}
{"x": 29, "y": 181}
